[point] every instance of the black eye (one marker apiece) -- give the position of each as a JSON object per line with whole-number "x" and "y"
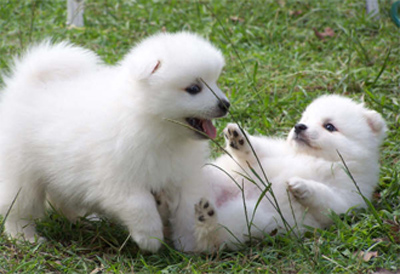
{"x": 193, "y": 89}
{"x": 330, "y": 127}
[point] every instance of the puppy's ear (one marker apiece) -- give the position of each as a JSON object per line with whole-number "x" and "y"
{"x": 147, "y": 70}
{"x": 156, "y": 67}
{"x": 376, "y": 123}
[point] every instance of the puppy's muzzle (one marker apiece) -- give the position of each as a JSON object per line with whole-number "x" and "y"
{"x": 224, "y": 106}
{"x": 298, "y": 128}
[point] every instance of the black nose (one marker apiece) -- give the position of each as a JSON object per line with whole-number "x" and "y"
{"x": 224, "y": 105}
{"x": 299, "y": 128}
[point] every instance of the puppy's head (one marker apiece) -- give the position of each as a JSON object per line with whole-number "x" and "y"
{"x": 175, "y": 77}
{"x": 334, "y": 124}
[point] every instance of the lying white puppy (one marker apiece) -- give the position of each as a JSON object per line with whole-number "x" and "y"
{"x": 97, "y": 138}
{"x": 306, "y": 174}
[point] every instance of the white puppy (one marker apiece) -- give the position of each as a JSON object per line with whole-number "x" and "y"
{"x": 99, "y": 138}
{"x": 306, "y": 174}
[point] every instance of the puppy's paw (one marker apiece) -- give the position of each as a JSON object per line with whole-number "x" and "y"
{"x": 299, "y": 188}
{"x": 235, "y": 139}
{"x": 149, "y": 241}
{"x": 206, "y": 229}
{"x": 205, "y": 213}
{"x": 24, "y": 231}
{"x": 33, "y": 239}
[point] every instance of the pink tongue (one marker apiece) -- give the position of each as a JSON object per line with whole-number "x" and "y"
{"x": 209, "y": 129}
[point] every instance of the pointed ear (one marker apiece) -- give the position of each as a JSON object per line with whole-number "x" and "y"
{"x": 156, "y": 67}
{"x": 376, "y": 123}
{"x": 146, "y": 70}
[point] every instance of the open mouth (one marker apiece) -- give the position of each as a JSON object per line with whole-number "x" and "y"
{"x": 203, "y": 127}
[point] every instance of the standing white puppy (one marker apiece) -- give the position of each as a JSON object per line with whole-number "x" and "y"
{"x": 98, "y": 138}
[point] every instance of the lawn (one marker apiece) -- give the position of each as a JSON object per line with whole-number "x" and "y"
{"x": 280, "y": 55}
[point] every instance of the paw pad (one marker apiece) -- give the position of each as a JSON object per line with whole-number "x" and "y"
{"x": 204, "y": 210}
{"x": 234, "y": 136}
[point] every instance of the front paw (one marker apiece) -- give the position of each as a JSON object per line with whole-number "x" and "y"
{"x": 150, "y": 240}
{"x": 299, "y": 188}
{"x": 235, "y": 138}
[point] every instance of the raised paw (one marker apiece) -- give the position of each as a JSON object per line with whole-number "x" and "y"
{"x": 235, "y": 139}
{"x": 206, "y": 230}
{"x": 204, "y": 212}
{"x": 299, "y": 188}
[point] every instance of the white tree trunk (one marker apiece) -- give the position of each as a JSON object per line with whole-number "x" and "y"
{"x": 75, "y": 13}
{"x": 373, "y": 9}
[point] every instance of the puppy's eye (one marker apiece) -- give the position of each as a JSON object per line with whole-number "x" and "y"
{"x": 193, "y": 89}
{"x": 330, "y": 127}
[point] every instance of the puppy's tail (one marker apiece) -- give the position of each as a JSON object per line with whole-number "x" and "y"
{"x": 48, "y": 62}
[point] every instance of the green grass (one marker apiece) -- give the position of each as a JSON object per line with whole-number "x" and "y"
{"x": 275, "y": 67}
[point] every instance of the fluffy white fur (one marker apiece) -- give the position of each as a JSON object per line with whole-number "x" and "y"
{"x": 306, "y": 174}
{"x": 97, "y": 138}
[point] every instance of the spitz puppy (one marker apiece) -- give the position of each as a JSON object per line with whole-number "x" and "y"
{"x": 309, "y": 174}
{"x": 90, "y": 137}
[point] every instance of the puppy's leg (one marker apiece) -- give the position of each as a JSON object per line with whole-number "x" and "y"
{"x": 238, "y": 146}
{"x": 69, "y": 212}
{"x": 162, "y": 206}
{"x": 228, "y": 226}
{"x": 320, "y": 198}
{"x": 183, "y": 220}
{"x": 139, "y": 213}
{"x": 23, "y": 206}
{"x": 236, "y": 142}
{"x": 206, "y": 227}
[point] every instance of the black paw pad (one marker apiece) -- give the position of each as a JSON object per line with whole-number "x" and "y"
{"x": 210, "y": 213}
{"x": 233, "y": 145}
{"x": 201, "y": 218}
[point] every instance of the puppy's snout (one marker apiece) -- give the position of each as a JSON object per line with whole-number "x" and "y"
{"x": 224, "y": 105}
{"x": 299, "y": 128}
